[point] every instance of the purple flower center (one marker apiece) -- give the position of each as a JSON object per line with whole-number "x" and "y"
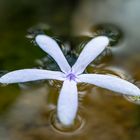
{"x": 71, "y": 76}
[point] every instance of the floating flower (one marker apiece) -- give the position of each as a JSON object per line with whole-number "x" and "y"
{"x": 68, "y": 98}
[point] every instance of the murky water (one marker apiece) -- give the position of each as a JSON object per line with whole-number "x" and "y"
{"x": 27, "y": 111}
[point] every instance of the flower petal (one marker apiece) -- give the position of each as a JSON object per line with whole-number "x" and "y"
{"x": 89, "y": 53}
{"x": 50, "y": 46}
{"x": 67, "y": 103}
{"x": 26, "y": 75}
{"x": 111, "y": 82}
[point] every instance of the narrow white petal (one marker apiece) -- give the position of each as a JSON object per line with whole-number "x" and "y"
{"x": 26, "y": 75}
{"x": 67, "y": 103}
{"x": 50, "y": 46}
{"x": 111, "y": 82}
{"x": 89, "y": 53}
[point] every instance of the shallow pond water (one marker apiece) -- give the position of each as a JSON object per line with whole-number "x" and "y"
{"x": 27, "y": 111}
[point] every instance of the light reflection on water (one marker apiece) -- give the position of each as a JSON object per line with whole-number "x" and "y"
{"x": 104, "y": 115}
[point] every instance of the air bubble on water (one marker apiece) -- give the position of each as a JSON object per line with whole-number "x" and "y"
{"x": 60, "y": 128}
{"x": 112, "y": 31}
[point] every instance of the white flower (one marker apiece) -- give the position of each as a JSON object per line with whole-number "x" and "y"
{"x": 68, "y": 98}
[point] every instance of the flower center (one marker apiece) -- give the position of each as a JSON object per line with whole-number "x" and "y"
{"x": 71, "y": 76}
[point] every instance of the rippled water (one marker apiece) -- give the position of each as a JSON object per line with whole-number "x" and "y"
{"x": 28, "y": 111}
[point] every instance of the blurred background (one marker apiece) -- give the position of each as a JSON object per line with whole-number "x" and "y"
{"x": 27, "y": 111}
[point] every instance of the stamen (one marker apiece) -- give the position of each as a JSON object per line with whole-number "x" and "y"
{"x": 71, "y": 76}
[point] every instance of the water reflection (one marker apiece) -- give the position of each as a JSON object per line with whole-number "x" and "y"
{"x": 24, "y": 113}
{"x": 75, "y": 128}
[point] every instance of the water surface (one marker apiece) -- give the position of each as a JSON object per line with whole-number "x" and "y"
{"x": 27, "y": 111}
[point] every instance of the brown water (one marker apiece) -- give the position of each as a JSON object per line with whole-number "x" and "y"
{"x": 27, "y": 111}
